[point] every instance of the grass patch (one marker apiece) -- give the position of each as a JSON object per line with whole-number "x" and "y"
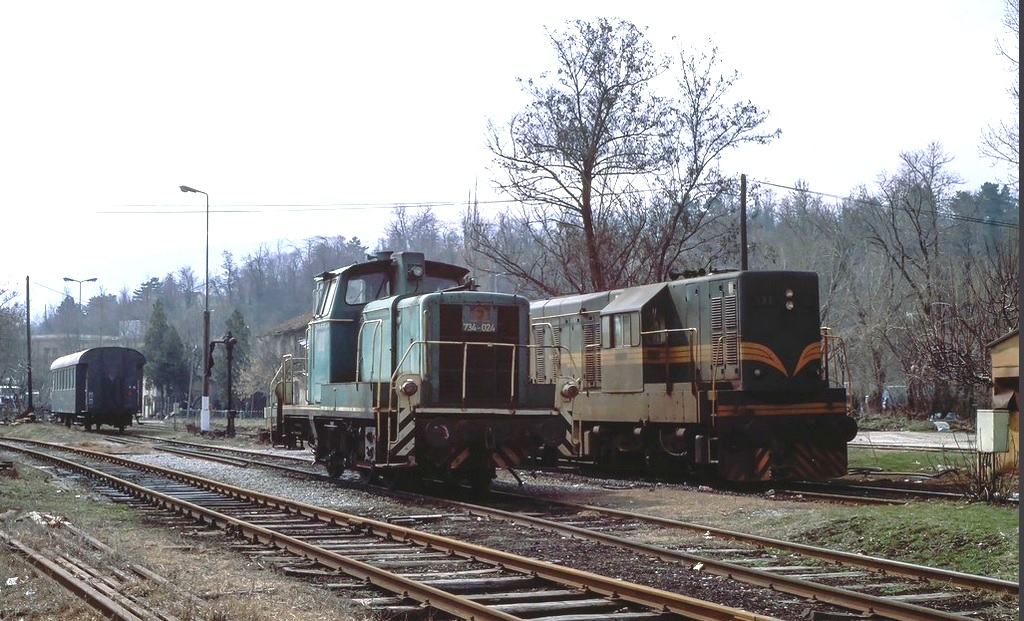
{"x": 925, "y": 462}
{"x": 893, "y": 421}
{"x": 25, "y": 488}
{"x": 974, "y": 538}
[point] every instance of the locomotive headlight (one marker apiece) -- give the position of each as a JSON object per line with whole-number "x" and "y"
{"x": 570, "y": 390}
{"x": 409, "y": 388}
{"x": 416, "y": 271}
{"x": 789, "y": 294}
{"x": 789, "y": 305}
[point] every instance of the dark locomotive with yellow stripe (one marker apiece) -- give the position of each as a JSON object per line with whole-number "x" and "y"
{"x": 728, "y": 375}
{"x": 411, "y": 369}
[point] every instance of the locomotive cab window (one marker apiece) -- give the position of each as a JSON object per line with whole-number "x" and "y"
{"x": 367, "y": 288}
{"x": 325, "y": 297}
{"x": 622, "y": 330}
{"x": 654, "y": 326}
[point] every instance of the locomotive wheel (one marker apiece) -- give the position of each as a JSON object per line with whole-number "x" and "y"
{"x": 480, "y": 481}
{"x": 335, "y": 467}
{"x": 392, "y": 478}
{"x": 366, "y": 475}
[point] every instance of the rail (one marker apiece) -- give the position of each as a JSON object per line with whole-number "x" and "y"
{"x": 228, "y": 507}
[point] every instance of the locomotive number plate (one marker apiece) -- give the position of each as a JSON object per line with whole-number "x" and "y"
{"x": 479, "y": 318}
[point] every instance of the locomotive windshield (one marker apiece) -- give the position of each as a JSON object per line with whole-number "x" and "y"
{"x": 366, "y": 288}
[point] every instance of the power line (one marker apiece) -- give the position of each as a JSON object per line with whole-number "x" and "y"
{"x": 144, "y": 209}
{"x": 141, "y": 209}
{"x": 951, "y": 216}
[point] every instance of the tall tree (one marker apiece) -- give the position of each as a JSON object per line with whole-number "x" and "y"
{"x": 1002, "y": 143}
{"x": 240, "y": 331}
{"x": 592, "y": 123}
{"x": 612, "y": 182}
{"x": 13, "y": 364}
{"x": 694, "y": 203}
{"x": 166, "y": 364}
{"x": 947, "y": 292}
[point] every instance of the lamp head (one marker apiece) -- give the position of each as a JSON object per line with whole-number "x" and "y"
{"x": 185, "y": 188}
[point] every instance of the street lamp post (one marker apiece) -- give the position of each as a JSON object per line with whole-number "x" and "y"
{"x": 66, "y": 279}
{"x": 204, "y": 410}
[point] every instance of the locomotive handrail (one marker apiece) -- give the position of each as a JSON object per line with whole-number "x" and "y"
{"x": 399, "y": 368}
{"x": 827, "y": 337}
{"x": 668, "y": 345}
{"x": 286, "y": 374}
{"x": 558, "y": 347}
{"x": 594, "y": 369}
{"x": 377, "y": 327}
{"x": 713, "y": 395}
{"x": 573, "y": 370}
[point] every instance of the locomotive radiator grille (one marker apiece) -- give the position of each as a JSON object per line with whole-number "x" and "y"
{"x": 725, "y": 339}
{"x": 539, "y": 359}
{"x": 476, "y": 375}
{"x": 546, "y": 349}
{"x": 591, "y": 353}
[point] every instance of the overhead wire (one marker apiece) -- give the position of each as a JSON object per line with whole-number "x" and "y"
{"x": 951, "y": 216}
{"x": 143, "y": 209}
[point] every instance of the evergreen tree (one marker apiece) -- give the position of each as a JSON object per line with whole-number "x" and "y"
{"x": 166, "y": 364}
{"x": 242, "y": 334}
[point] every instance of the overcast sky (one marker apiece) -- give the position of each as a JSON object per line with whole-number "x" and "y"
{"x": 314, "y": 118}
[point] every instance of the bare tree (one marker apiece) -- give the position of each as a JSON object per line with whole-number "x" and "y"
{"x": 1002, "y": 143}
{"x": 421, "y": 231}
{"x": 693, "y": 191}
{"x": 906, "y": 225}
{"x": 591, "y": 126}
{"x": 949, "y": 297}
{"x": 612, "y": 184}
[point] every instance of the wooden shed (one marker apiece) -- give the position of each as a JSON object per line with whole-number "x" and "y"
{"x": 1005, "y": 353}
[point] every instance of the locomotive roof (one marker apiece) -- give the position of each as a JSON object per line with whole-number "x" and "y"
{"x": 385, "y": 263}
{"x": 634, "y": 298}
{"x": 90, "y": 355}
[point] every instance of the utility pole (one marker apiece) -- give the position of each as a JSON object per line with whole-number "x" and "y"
{"x": 28, "y": 341}
{"x": 229, "y": 342}
{"x": 743, "y": 222}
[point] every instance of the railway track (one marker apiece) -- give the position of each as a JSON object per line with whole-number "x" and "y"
{"x": 837, "y": 491}
{"x": 780, "y": 566}
{"x": 82, "y": 568}
{"x": 786, "y": 567}
{"x": 421, "y": 569}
